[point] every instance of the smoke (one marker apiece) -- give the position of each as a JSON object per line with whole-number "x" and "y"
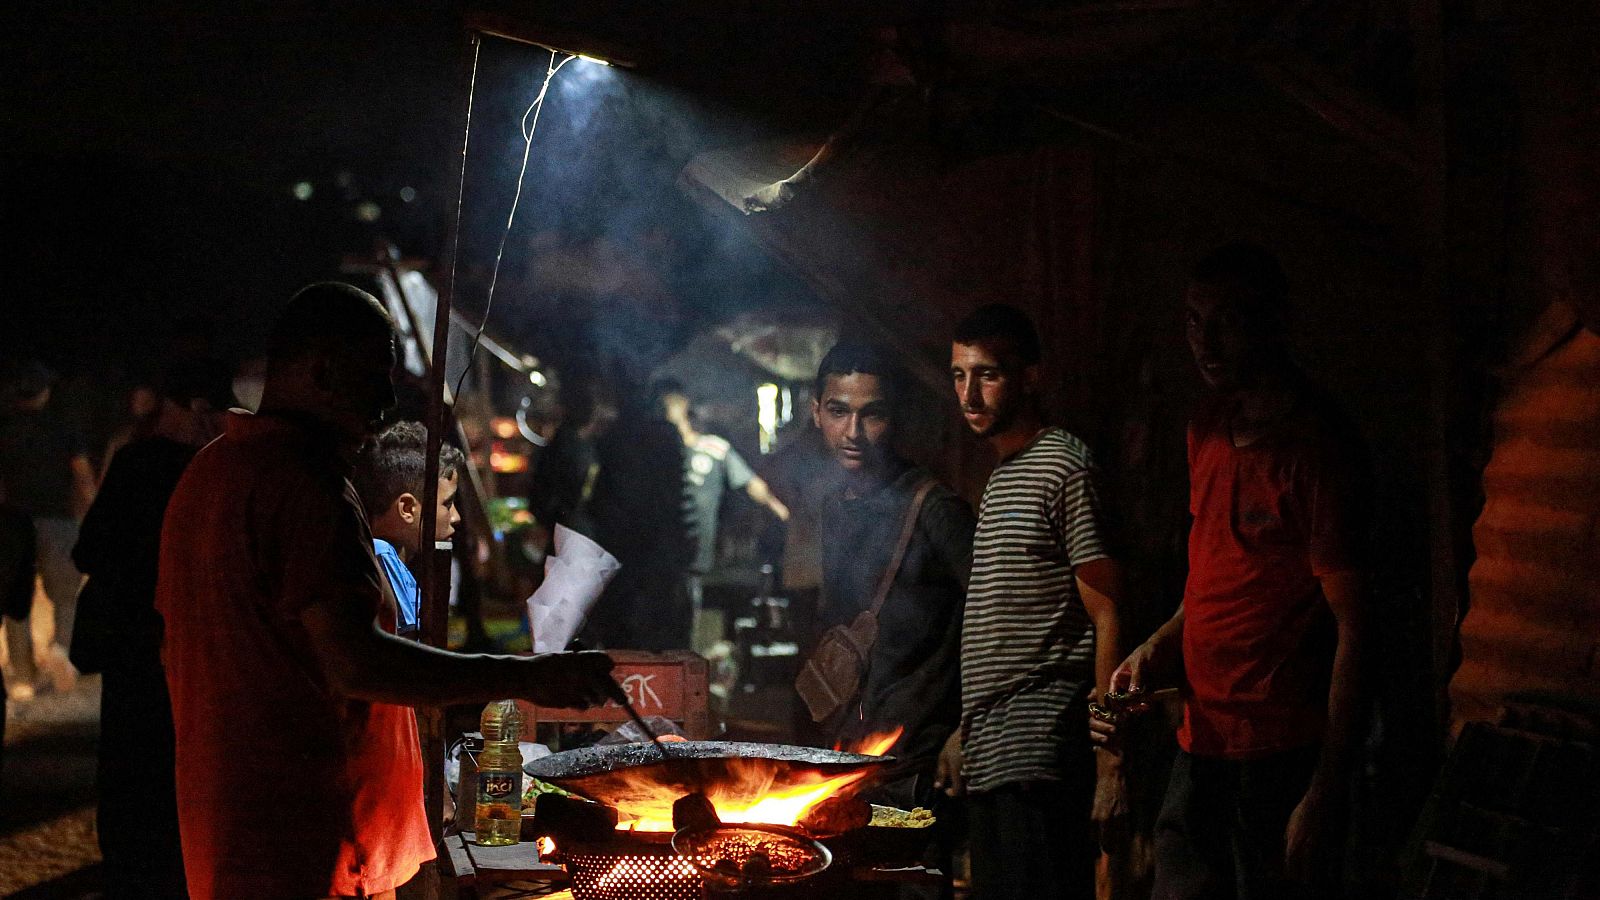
{"x": 609, "y": 266}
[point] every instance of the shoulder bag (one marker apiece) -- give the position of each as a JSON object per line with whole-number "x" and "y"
{"x": 832, "y": 676}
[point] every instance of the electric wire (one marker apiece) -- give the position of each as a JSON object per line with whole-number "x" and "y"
{"x": 526, "y": 129}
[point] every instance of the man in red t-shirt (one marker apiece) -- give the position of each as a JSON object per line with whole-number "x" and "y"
{"x": 1269, "y": 633}
{"x": 298, "y": 768}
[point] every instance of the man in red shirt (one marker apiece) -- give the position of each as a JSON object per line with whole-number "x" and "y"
{"x": 298, "y": 770}
{"x": 1269, "y": 633}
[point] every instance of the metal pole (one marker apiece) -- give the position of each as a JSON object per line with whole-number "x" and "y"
{"x": 434, "y": 564}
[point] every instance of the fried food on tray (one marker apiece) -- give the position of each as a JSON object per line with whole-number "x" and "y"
{"x": 837, "y": 815}
{"x": 889, "y": 817}
{"x": 535, "y": 787}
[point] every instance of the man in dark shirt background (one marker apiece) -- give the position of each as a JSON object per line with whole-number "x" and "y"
{"x": 47, "y": 474}
{"x": 912, "y": 677}
{"x": 118, "y": 634}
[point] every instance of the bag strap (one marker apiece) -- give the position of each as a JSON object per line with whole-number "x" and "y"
{"x": 906, "y": 529}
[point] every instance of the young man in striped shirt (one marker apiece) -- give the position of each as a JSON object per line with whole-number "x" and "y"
{"x": 1040, "y": 632}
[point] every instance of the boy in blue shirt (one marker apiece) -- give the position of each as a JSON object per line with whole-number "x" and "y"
{"x": 388, "y": 476}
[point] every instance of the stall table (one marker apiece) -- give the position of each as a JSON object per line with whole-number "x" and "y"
{"x": 474, "y": 867}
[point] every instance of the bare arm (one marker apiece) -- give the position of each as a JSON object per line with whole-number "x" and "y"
{"x": 1155, "y": 660}
{"x": 362, "y": 661}
{"x": 1152, "y": 662}
{"x": 84, "y": 479}
{"x": 1308, "y": 823}
{"x": 1343, "y": 592}
{"x": 1100, "y": 586}
{"x": 762, "y": 494}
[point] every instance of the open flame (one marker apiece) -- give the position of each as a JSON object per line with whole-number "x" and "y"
{"x": 746, "y": 797}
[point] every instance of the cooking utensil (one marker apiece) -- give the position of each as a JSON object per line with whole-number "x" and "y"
{"x": 622, "y": 699}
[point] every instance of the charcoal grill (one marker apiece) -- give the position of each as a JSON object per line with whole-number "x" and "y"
{"x": 607, "y": 864}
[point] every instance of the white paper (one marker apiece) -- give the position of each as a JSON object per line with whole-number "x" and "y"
{"x": 574, "y": 575}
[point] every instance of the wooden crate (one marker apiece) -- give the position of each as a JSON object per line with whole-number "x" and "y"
{"x": 672, "y": 685}
{"x": 1515, "y": 815}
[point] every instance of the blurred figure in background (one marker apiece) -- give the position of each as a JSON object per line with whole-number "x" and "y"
{"x": 637, "y": 510}
{"x": 565, "y": 472}
{"x": 711, "y": 468}
{"x": 144, "y": 406}
{"x": 47, "y": 474}
{"x": 118, "y": 634}
{"x": 16, "y": 584}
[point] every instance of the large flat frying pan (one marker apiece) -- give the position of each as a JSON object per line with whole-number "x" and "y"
{"x": 636, "y": 780}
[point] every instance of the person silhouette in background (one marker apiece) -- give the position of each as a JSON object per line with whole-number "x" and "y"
{"x": 118, "y": 634}
{"x": 47, "y": 473}
{"x": 711, "y": 468}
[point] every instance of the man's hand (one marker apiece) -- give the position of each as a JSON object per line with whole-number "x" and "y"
{"x": 1110, "y": 812}
{"x": 1128, "y": 683}
{"x": 1134, "y": 675}
{"x": 569, "y": 680}
{"x": 1304, "y": 839}
{"x": 948, "y": 777}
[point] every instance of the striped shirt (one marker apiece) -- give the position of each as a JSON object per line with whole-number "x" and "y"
{"x": 1027, "y": 643}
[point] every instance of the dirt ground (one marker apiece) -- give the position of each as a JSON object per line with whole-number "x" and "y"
{"x": 47, "y": 837}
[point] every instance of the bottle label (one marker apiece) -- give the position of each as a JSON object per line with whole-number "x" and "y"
{"x": 498, "y": 787}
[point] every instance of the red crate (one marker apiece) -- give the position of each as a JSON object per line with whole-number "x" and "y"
{"x": 671, "y": 685}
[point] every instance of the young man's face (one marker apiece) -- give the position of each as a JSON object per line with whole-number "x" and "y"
{"x": 991, "y": 387}
{"x": 446, "y": 515}
{"x": 854, "y": 416}
{"x": 1228, "y": 343}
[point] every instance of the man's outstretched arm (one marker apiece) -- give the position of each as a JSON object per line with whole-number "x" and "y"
{"x": 762, "y": 494}
{"x": 361, "y": 660}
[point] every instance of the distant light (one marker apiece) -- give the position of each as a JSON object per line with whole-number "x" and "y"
{"x": 301, "y": 190}
{"x": 536, "y": 378}
{"x": 767, "y": 415}
{"x": 508, "y": 463}
{"x": 593, "y": 59}
{"x": 408, "y": 194}
{"x": 504, "y": 427}
{"x": 367, "y": 211}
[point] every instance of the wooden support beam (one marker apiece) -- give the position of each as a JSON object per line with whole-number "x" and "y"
{"x": 1447, "y": 576}
{"x": 561, "y": 40}
{"x": 1330, "y": 99}
{"x": 434, "y": 564}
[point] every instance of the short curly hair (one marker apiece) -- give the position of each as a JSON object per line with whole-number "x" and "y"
{"x": 851, "y": 356}
{"x": 1003, "y": 324}
{"x": 394, "y": 462}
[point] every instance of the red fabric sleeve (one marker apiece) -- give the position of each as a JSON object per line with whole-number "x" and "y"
{"x": 1334, "y": 493}
{"x": 324, "y": 547}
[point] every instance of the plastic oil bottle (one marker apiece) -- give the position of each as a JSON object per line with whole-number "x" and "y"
{"x": 499, "y": 819}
